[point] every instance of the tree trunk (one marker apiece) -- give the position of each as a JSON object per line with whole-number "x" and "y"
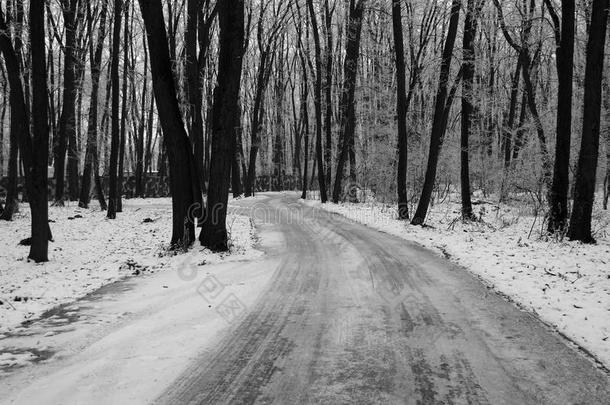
{"x": 565, "y": 68}
{"x": 67, "y": 121}
{"x": 19, "y": 118}
{"x": 139, "y": 172}
{"x": 235, "y": 164}
{"x": 36, "y": 158}
{"x": 401, "y": 111}
{"x": 584, "y": 189}
{"x": 115, "y": 137}
{"x": 439, "y": 123}
{"x": 185, "y": 196}
{"x": 257, "y": 115}
{"x": 124, "y": 112}
{"x": 225, "y": 120}
{"x": 91, "y": 151}
{"x": 194, "y": 88}
{"x": 318, "y": 109}
{"x": 347, "y": 103}
{"x": 606, "y": 98}
{"x": 328, "y": 96}
{"x": 468, "y": 49}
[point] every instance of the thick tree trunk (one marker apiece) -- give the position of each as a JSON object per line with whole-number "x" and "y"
{"x": 185, "y": 197}
{"x": 439, "y": 123}
{"x": 347, "y": 103}
{"x": 115, "y": 123}
{"x": 565, "y": 69}
{"x": 584, "y": 189}
{"x": 401, "y": 111}
{"x": 225, "y": 120}
{"x": 36, "y": 158}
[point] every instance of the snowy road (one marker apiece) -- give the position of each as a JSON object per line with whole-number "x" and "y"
{"x": 337, "y": 313}
{"x": 358, "y": 316}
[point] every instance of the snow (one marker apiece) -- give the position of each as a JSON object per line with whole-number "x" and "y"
{"x": 127, "y": 344}
{"x": 91, "y": 251}
{"x": 567, "y": 284}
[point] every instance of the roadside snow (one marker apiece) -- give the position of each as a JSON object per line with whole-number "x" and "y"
{"x": 90, "y": 251}
{"x": 567, "y": 284}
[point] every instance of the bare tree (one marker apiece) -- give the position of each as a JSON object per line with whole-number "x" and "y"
{"x": 584, "y": 188}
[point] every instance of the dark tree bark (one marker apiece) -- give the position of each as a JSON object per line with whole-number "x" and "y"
{"x": 35, "y": 159}
{"x": 303, "y": 125}
{"x": 606, "y": 98}
{"x": 439, "y": 123}
{"x": 115, "y": 123}
{"x": 91, "y": 151}
{"x": 401, "y": 111}
{"x": 185, "y": 196}
{"x": 225, "y": 120}
{"x": 194, "y": 88}
{"x": 328, "y": 95}
{"x": 584, "y": 189}
{"x": 278, "y": 135}
{"x": 2, "y": 117}
{"x": 565, "y": 69}
{"x": 468, "y": 61}
{"x": 124, "y": 110}
{"x": 318, "y": 108}
{"x": 347, "y": 103}
{"x": 67, "y": 123}
{"x": 19, "y": 118}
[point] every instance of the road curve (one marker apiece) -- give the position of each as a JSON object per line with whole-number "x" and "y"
{"x": 356, "y": 316}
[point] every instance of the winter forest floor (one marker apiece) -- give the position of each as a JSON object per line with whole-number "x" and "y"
{"x": 90, "y": 251}
{"x": 567, "y": 284}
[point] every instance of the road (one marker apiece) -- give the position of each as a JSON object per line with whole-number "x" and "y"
{"x": 338, "y": 313}
{"x": 356, "y": 316}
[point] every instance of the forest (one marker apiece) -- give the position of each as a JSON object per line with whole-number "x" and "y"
{"x": 304, "y": 201}
{"x": 405, "y": 100}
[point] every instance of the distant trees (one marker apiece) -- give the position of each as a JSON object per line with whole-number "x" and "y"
{"x": 324, "y": 86}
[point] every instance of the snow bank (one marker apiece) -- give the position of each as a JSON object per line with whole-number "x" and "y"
{"x": 90, "y": 251}
{"x": 567, "y": 284}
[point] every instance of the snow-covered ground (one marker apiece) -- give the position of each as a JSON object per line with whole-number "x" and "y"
{"x": 90, "y": 251}
{"x": 567, "y": 284}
